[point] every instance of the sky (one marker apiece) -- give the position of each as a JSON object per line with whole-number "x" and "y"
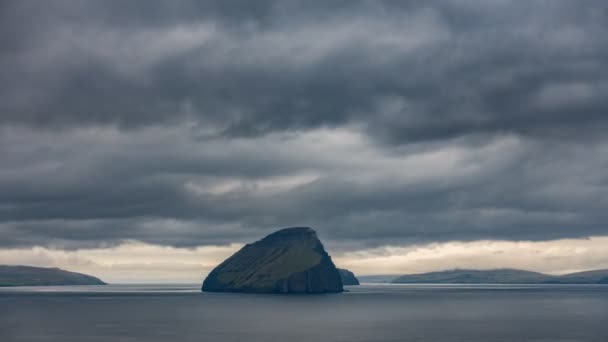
{"x": 146, "y": 141}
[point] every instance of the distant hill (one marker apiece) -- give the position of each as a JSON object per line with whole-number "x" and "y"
{"x": 587, "y": 277}
{"x": 499, "y": 276}
{"x": 502, "y": 276}
{"x": 39, "y": 276}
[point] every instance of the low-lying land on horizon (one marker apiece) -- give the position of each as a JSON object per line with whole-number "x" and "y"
{"x": 41, "y": 276}
{"x": 495, "y": 276}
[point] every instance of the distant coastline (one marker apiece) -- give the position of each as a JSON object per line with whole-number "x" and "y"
{"x": 494, "y": 276}
{"x": 42, "y": 276}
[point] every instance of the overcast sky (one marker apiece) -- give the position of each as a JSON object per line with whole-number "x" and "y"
{"x": 391, "y": 127}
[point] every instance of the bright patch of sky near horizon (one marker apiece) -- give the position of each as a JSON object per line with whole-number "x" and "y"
{"x": 137, "y": 262}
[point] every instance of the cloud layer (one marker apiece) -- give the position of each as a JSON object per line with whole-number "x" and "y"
{"x": 189, "y": 124}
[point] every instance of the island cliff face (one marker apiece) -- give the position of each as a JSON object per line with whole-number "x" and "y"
{"x": 291, "y": 260}
{"x": 348, "y": 277}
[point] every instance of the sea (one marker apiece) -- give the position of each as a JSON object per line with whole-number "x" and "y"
{"x": 370, "y": 312}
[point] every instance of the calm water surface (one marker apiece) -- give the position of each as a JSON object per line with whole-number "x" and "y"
{"x": 151, "y": 313}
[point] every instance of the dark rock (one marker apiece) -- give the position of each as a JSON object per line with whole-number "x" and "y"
{"x": 39, "y": 276}
{"x": 291, "y": 260}
{"x": 348, "y": 277}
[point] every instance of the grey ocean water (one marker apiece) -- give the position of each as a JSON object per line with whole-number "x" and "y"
{"x": 366, "y": 313}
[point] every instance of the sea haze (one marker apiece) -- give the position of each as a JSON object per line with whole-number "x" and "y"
{"x": 364, "y": 313}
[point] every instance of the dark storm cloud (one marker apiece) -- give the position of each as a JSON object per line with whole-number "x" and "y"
{"x": 190, "y": 123}
{"x": 432, "y": 70}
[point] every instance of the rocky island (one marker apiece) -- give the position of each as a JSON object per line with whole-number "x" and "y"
{"x": 40, "y": 276}
{"x": 348, "y": 277}
{"x": 291, "y": 260}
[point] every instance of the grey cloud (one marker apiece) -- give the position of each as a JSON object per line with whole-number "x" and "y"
{"x": 405, "y": 70}
{"x": 107, "y": 186}
{"x": 191, "y": 123}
